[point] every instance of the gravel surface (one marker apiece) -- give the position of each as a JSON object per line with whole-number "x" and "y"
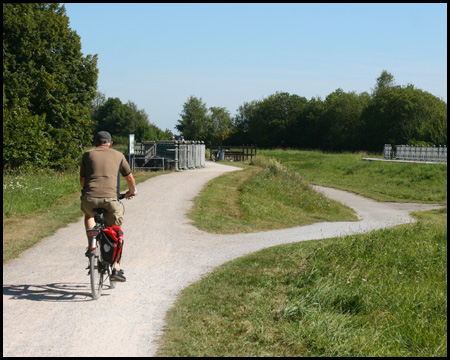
{"x": 47, "y": 305}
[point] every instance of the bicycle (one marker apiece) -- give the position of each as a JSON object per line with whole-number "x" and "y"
{"x": 99, "y": 270}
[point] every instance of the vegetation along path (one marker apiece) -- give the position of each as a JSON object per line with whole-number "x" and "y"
{"x": 47, "y": 307}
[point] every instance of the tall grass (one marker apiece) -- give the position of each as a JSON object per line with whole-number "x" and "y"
{"x": 25, "y": 193}
{"x": 264, "y": 196}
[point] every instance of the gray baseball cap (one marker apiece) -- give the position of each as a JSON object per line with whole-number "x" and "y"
{"x": 102, "y": 136}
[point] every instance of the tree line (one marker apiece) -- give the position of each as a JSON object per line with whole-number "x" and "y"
{"x": 51, "y": 107}
{"x": 343, "y": 121}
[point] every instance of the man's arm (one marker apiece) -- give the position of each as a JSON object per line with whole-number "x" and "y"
{"x": 82, "y": 181}
{"x": 131, "y": 185}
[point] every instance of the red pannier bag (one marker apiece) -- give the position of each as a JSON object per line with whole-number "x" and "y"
{"x": 111, "y": 241}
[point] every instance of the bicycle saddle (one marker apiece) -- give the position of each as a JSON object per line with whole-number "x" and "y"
{"x": 99, "y": 218}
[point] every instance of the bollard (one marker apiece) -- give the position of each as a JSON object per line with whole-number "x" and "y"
{"x": 203, "y": 154}
{"x": 176, "y": 156}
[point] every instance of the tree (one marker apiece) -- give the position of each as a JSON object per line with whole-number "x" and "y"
{"x": 138, "y": 118}
{"x": 194, "y": 119}
{"x": 311, "y": 130}
{"x": 99, "y": 100}
{"x": 384, "y": 81}
{"x": 342, "y": 119}
{"x": 274, "y": 120}
{"x": 20, "y": 132}
{"x": 120, "y": 120}
{"x": 46, "y": 82}
{"x": 220, "y": 125}
{"x": 240, "y": 133}
{"x": 404, "y": 115}
{"x": 112, "y": 117}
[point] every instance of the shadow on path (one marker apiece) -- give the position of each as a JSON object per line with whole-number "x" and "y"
{"x": 56, "y": 292}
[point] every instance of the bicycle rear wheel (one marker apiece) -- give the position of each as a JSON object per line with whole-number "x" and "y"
{"x": 97, "y": 273}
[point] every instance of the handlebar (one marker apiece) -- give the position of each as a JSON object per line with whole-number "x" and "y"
{"x": 122, "y": 196}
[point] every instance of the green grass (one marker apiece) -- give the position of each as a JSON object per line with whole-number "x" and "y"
{"x": 263, "y": 196}
{"x": 25, "y": 193}
{"x": 377, "y": 294}
{"x": 384, "y": 181}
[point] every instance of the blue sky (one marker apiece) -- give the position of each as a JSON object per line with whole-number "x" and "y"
{"x": 158, "y": 55}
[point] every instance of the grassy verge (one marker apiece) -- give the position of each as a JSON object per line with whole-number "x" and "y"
{"x": 384, "y": 181}
{"x": 264, "y": 196}
{"x": 36, "y": 205}
{"x": 377, "y": 294}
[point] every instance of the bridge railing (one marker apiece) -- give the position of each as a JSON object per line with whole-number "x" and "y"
{"x": 416, "y": 153}
{"x": 167, "y": 154}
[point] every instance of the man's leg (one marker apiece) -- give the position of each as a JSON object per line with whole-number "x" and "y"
{"x": 116, "y": 264}
{"x": 117, "y": 274}
{"x": 89, "y": 222}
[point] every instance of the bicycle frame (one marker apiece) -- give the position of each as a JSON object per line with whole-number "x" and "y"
{"x": 97, "y": 267}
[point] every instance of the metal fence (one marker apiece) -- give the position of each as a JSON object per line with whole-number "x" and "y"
{"x": 191, "y": 155}
{"x": 179, "y": 155}
{"x": 234, "y": 153}
{"x": 416, "y": 153}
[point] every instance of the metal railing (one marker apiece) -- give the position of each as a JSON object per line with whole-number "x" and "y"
{"x": 190, "y": 155}
{"x": 416, "y": 153}
{"x": 180, "y": 155}
{"x": 235, "y": 153}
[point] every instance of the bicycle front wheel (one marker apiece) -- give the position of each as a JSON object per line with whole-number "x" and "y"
{"x": 96, "y": 270}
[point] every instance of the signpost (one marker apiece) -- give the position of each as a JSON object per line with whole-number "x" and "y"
{"x": 131, "y": 151}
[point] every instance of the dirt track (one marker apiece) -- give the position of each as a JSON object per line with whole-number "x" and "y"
{"x": 47, "y": 306}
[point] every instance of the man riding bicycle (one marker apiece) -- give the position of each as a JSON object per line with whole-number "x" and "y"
{"x": 100, "y": 180}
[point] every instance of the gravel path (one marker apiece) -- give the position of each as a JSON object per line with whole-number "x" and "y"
{"x": 47, "y": 306}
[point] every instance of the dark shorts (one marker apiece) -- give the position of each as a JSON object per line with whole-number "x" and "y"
{"x": 113, "y": 207}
